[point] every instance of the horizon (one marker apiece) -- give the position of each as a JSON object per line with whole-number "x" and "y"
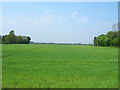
{"x": 59, "y": 22}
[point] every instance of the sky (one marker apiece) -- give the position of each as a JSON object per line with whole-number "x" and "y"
{"x": 63, "y": 22}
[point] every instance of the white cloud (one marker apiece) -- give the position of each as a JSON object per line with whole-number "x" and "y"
{"x": 46, "y": 19}
{"x": 46, "y": 12}
{"x": 62, "y": 19}
{"x": 101, "y": 10}
{"x": 33, "y": 21}
{"x": 74, "y": 14}
{"x": 78, "y": 19}
{"x": 82, "y": 20}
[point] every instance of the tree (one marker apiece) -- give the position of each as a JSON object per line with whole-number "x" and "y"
{"x": 95, "y": 41}
{"x": 100, "y": 40}
{"x": 19, "y": 40}
{"x": 109, "y": 39}
{"x": 28, "y": 40}
{"x": 115, "y": 41}
{"x": 114, "y": 27}
{"x": 0, "y": 39}
{"x": 11, "y": 38}
{"x": 3, "y": 39}
{"x": 11, "y": 32}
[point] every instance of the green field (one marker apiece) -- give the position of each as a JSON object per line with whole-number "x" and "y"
{"x": 59, "y": 66}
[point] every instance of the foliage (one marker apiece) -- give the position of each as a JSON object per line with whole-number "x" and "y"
{"x": 110, "y": 39}
{"x": 11, "y": 38}
{"x": 0, "y": 39}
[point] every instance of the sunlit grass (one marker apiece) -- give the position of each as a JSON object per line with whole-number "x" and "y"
{"x": 55, "y": 66}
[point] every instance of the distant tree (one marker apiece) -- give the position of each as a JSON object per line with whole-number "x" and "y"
{"x": 24, "y": 38}
{"x": 115, "y": 41}
{"x": 19, "y": 40}
{"x": 114, "y": 27}
{"x": 11, "y": 32}
{"x": 118, "y": 26}
{"x": 101, "y": 40}
{"x": 110, "y": 39}
{"x": 28, "y": 40}
{"x": 11, "y": 38}
{"x": 0, "y": 39}
{"x": 3, "y": 39}
{"x": 95, "y": 41}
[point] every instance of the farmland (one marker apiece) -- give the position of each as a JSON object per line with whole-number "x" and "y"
{"x": 59, "y": 66}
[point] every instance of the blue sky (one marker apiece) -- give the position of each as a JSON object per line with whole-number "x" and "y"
{"x": 75, "y": 22}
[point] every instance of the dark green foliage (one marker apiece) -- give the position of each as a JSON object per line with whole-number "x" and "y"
{"x": 11, "y": 32}
{"x": 110, "y": 39}
{"x": 0, "y": 39}
{"x": 11, "y": 38}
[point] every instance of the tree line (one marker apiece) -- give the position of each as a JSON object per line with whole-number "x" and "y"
{"x": 111, "y": 38}
{"x": 11, "y": 38}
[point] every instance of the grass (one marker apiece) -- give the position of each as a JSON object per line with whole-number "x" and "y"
{"x": 59, "y": 66}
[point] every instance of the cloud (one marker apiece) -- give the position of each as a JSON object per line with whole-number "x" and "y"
{"x": 78, "y": 19}
{"x": 62, "y": 19}
{"x": 101, "y": 10}
{"x": 74, "y": 14}
{"x": 32, "y": 21}
{"x": 82, "y": 20}
{"x": 46, "y": 12}
{"x": 46, "y": 19}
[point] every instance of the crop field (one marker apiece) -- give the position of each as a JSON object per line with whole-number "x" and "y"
{"x": 59, "y": 66}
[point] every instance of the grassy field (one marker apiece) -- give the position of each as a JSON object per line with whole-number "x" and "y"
{"x": 59, "y": 66}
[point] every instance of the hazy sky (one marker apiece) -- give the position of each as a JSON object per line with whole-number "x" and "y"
{"x": 59, "y": 21}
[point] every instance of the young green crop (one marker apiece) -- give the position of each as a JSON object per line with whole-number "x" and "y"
{"x": 59, "y": 66}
